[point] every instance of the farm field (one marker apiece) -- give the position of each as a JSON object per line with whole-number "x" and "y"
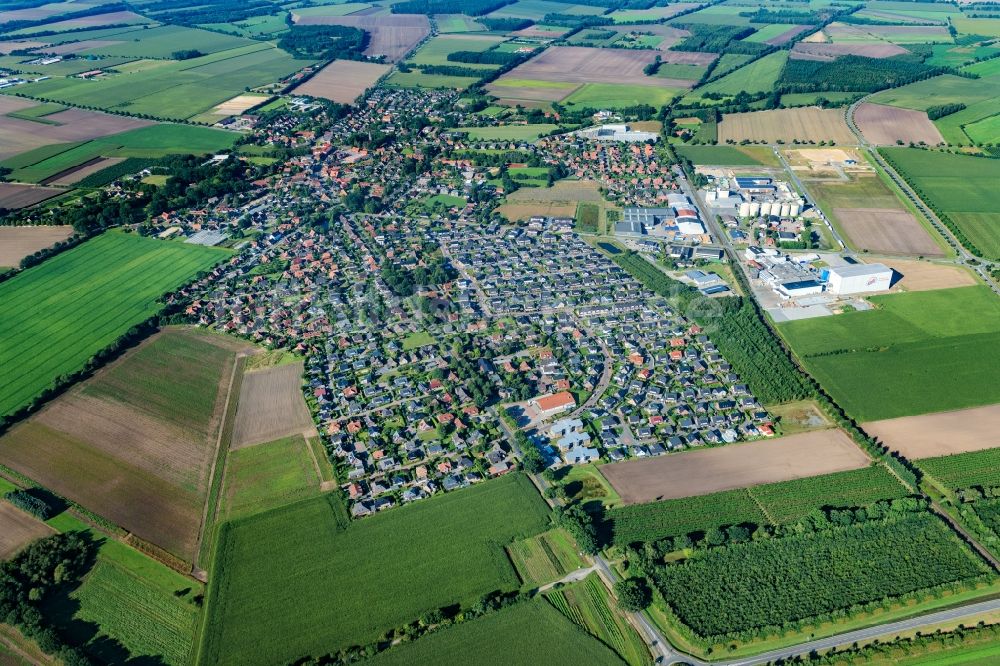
{"x": 614, "y": 96}
{"x": 517, "y": 634}
{"x": 735, "y": 466}
{"x": 927, "y": 276}
{"x": 134, "y": 443}
{"x": 362, "y": 579}
{"x": 392, "y": 35}
{"x": 508, "y": 132}
{"x": 417, "y": 79}
{"x": 579, "y": 64}
{"x": 885, "y": 125}
{"x": 589, "y": 605}
{"x": 18, "y": 242}
{"x": 342, "y": 81}
{"x": 265, "y": 476}
{"x": 887, "y": 230}
{"x": 728, "y": 155}
{"x": 544, "y": 558}
{"x": 560, "y": 200}
{"x": 958, "y": 186}
{"x": 116, "y": 279}
{"x": 537, "y": 9}
{"x": 916, "y": 353}
{"x": 963, "y": 470}
{"x": 940, "y": 434}
{"x": 801, "y": 123}
{"x": 436, "y": 51}
{"x": 271, "y": 406}
{"x": 729, "y": 590}
{"x": 16, "y": 195}
{"x": 18, "y": 529}
{"x": 758, "y": 76}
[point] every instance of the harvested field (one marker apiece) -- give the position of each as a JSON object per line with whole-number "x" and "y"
{"x": 887, "y": 230}
{"x": 534, "y": 31}
{"x": 522, "y": 211}
{"x": 734, "y": 466}
{"x": 563, "y": 190}
{"x": 81, "y": 171}
{"x": 342, "y": 81}
{"x": 821, "y": 51}
{"x": 18, "y": 136}
{"x": 239, "y": 104}
{"x": 16, "y": 195}
{"x": 271, "y": 406}
{"x": 18, "y": 529}
{"x": 579, "y": 64}
{"x": 392, "y": 35}
{"x": 135, "y": 443}
{"x": 514, "y": 94}
{"x": 18, "y": 242}
{"x": 941, "y": 434}
{"x": 885, "y": 125}
{"x": 7, "y": 46}
{"x": 925, "y": 276}
{"x": 803, "y": 123}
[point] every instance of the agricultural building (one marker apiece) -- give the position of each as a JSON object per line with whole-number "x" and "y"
{"x": 857, "y": 278}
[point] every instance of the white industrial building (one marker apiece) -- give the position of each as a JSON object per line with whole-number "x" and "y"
{"x": 857, "y": 278}
{"x": 618, "y": 133}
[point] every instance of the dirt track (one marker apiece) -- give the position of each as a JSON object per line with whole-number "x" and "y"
{"x": 735, "y": 466}
{"x": 887, "y": 230}
{"x": 271, "y": 406}
{"x": 941, "y": 434}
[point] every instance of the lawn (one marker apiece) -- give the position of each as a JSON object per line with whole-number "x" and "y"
{"x": 508, "y": 132}
{"x": 526, "y": 633}
{"x": 418, "y": 339}
{"x": 915, "y": 353}
{"x": 280, "y": 575}
{"x": 265, "y": 476}
{"x": 617, "y": 96}
{"x": 56, "y": 316}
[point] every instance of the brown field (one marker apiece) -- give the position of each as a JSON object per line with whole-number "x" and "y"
{"x": 18, "y": 136}
{"x": 532, "y": 31}
{"x": 271, "y": 406}
{"x": 97, "y": 20}
{"x": 884, "y": 125}
{"x": 522, "y": 94}
{"x": 135, "y": 443}
{"x": 580, "y": 64}
{"x": 925, "y": 276}
{"x": 788, "y": 35}
{"x": 821, "y": 51}
{"x": 8, "y": 46}
{"x": 887, "y": 230}
{"x": 941, "y": 434}
{"x": 16, "y": 195}
{"x": 563, "y": 190}
{"x": 81, "y": 171}
{"x": 18, "y": 529}
{"x": 522, "y": 211}
{"x": 802, "y": 123}
{"x": 392, "y": 35}
{"x": 16, "y": 243}
{"x": 342, "y": 81}
{"x": 735, "y": 466}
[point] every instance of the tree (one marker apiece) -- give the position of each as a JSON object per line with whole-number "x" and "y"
{"x": 633, "y": 594}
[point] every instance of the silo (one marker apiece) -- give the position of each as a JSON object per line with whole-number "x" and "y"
{"x": 765, "y": 208}
{"x": 744, "y": 209}
{"x": 794, "y": 210}
{"x": 785, "y": 209}
{"x": 754, "y": 208}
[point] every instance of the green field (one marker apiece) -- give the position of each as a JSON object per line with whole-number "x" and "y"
{"x": 162, "y": 41}
{"x": 915, "y": 353}
{"x": 617, "y": 96}
{"x": 769, "y": 32}
{"x": 727, "y": 155}
{"x": 677, "y": 71}
{"x": 435, "y": 52}
{"x": 809, "y": 99}
{"x": 537, "y": 9}
{"x": 944, "y": 89}
{"x": 589, "y": 605}
{"x": 544, "y": 558}
{"x": 265, "y": 476}
{"x": 419, "y": 338}
{"x": 960, "y": 186}
{"x": 417, "y": 79}
{"x": 963, "y": 470}
{"x": 758, "y": 76}
{"x": 63, "y": 311}
{"x": 508, "y": 132}
{"x": 528, "y": 632}
{"x": 279, "y": 575}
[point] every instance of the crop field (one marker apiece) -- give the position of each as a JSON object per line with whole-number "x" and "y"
{"x": 417, "y": 79}
{"x": 436, "y": 51}
{"x": 89, "y": 296}
{"x": 963, "y": 470}
{"x": 885, "y": 125}
{"x": 651, "y": 14}
{"x": 588, "y": 604}
{"x": 579, "y": 64}
{"x": 758, "y": 76}
{"x": 17, "y": 195}
{"x": 823, "y": 51}
{"x": 959, "y": 186}
{"x": 508, "y": 132}
{"x": 528, "y": 632}
{"x": 265, "y": 476}
{"x": 393, "y": 35}
{"x": 271, "y": 406}
{"x": 915, "y": 353}
{"x": 18, "y": 242}
{"x": 537, "y": 9}
{"x": 85, "y": 22}
{"x": 769, "y": 583}
{"x": 544, "y": 558}
{"x": 280, "y": 574}
{"x": 735, "y": 466}
{"x": 728, "y": 155}
{"x": 18, "y": 529}
{"x": 614, "y": 96}
{"x": 457, "y": 23}
{"x": 801, "y": 123}
{"x": 940, "y": 434}
{"x": 134, "y": 443}
{"x": 342, "y": 81}
{"x": 887, "y": 230}
{"x": 927, "y": 276}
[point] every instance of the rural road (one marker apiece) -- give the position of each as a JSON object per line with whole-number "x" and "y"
{"x": 571, "y": 577}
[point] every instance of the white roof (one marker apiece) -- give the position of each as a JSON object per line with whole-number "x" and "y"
{"x": 854, "y": 270}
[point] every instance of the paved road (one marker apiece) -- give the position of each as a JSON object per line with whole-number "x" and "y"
{"x": 802, "y": 189}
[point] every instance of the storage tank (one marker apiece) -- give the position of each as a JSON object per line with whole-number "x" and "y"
{"x": 744, "y": 209}
{"x": 765, "y": 208}
{"x": 754, "y": 208}
{"x": 786, "y": 209}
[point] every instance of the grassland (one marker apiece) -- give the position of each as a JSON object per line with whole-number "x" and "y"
{"x": 436, "y": 51}
{"x": 617, "y": 96}
{"x": 280, "y": 574}
{"x": 62, "y": 312}
{"x": 585, "y": 483}
{"x": 508, "y": 132}
{"x": 528, "y": 632}
{"x": 963, "y": 470}
{"x": 728, "y": 155}
{"x": 544, "y": 558}
{"x": 915, "y": 353}
{"x": 417, "y": 79}
{"x": 759, "y": 76}
{"x": 589, "y": 606}
{"x": 265, "y": 476}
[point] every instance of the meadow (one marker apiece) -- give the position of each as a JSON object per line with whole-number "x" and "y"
{"x": 436, "y": 51}
{"x": 617, "y": 96}
{"x": 280, "y": 574}
{"x": 749, "y": 587}
{"x": 63, "y": 311}
{"x": 265, "y": 476}
{"x": 544, "y": 558}
{"x": 727, "y": 155}
{"x": 915, "y": 353}
{"x": 508, "y": 132}
{"x": 528, "y": 632}
{"x": 964, "y": 470}
{"x": 758, "y": 76}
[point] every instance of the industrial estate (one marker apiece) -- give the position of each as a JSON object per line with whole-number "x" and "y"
{"x": 499, "y": 331}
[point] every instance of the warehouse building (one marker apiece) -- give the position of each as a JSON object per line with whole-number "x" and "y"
{"x": 857, "y": 278}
